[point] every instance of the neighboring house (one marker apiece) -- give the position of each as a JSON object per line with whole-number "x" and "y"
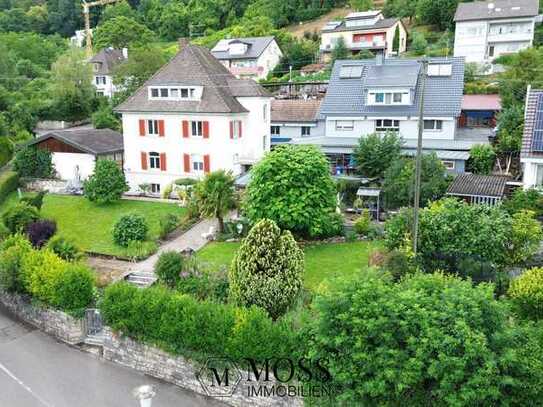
{"x": 480, "y": 111}
{"x": 192, "y": 117}
{"x": 294, "y": 118}
{"x": 367, "y": 30}
{"x": 531, "y": 153}
{"x": 248, "y": 57}
{"x": 479, "y": 189}
{"x": 380, "y": 95}
{"x": 76, "y": 151}
{"x": 486, "y": 30}
{"x": 102, "y": 69}
{"x": 79, "y": 38}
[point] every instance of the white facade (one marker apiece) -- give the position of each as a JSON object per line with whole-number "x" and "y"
{"x": 67, "y": 164}
{"x": 532, "y": 172}
{"x": 294, "y": 130}
{"x": 359, "y": 38}
{"x": 254, "y": 68}
{"x": 484, "y": 40}
{"x": 444, "y": 128}
{"x": 104, "y": 85}
{"x": 222, "y": 151}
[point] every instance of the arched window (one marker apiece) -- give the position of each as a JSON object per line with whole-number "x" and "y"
{"x": 154, "y": 160}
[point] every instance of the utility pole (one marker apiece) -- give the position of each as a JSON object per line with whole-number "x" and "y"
{"x": 418, "y": 164}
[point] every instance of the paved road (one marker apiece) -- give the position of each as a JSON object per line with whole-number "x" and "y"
{"x": 37, "y": 371}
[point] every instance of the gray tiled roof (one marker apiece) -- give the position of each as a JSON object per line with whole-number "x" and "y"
{"x": 92, "y": 141}
{"x": 256, "y": 46}
{"x": 529, "y": 121}
{"x": 347, "y": 97}
{"x": 108, "y": 58}
{"x": 383, "y": 23}
{"x": 194, "y": 65}
{"x": 479, "y": 10}
{"x": 392, "y": 75}
{"x": 478, "y": 185}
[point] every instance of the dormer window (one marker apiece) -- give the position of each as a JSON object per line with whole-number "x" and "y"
{"x": 173, "y": 93}
{"x": 389, "y": 98}
{"x": 440, "y": 70}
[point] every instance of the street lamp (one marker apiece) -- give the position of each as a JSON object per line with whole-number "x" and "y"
{"x": 144, "y": 394}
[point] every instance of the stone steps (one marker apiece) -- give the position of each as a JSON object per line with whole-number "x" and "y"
{"x": 142, "y": 279}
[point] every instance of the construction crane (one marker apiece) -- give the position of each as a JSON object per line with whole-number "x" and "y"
{"x": 86, "y": 14}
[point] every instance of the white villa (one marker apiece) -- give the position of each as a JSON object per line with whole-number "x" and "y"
{"x": 192, "y": 117}
{"x": 251, "y": 58}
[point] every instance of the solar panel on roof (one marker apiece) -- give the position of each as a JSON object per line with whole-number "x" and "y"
{"x": 537, "y": 140}
{"x": 350, "y": 71}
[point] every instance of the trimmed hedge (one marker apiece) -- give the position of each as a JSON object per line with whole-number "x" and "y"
{"x": 9, "y": 181}
{"x": 45, "y": 276}
{"x": 186, "y": 326}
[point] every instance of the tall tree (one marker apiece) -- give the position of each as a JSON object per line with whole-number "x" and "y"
{"x": 375, "y": 153}
{"x": 399, "y": 181}
{"x": 121, "y": 32}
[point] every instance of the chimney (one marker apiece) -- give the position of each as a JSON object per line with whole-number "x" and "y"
{"x": 183, "y": 42}
{"x": 380, "y": 58}
{"x": 125, "y": 53}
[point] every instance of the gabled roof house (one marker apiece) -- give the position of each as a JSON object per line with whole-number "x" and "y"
{"x": 192, "y": 117}
{"x": 367, "y": 30}
{"x": 103, "y": 64}
{"x": 252, "y": 57}
{"x": 380, "y": 95}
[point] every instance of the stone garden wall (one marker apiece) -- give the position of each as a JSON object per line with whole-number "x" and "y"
{"x": 144, "y": 358}
{"x": 179, "y": 371}
{"x": 56, "y": 323}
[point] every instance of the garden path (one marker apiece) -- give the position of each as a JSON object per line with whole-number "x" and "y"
{"x": 142, "y": 274}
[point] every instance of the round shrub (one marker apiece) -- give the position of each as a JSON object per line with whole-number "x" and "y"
{"x": 293, "y": 187}
{"x": 131, "y": 227}
{"x": 267, "y": 269}
{"x": 13, "y": 250}
{"x": 107, "y": 184}
{"x": 73, "y": 288}
{"x": 363, "y": 222}
{"x": 34, "y": 162}
{"x": 526, "y": 294}
{"x": 168, "y": 267}
{"x": 63, "y": 248}
{"x": 39, "y": 270}
{"x": 40, "y": 232}
{"x": 18, "y": 217}
{"x": 428, "y": 340}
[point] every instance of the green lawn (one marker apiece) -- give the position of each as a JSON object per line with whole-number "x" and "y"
{"x": 322, "y": 261}
{"x": 89, "y": 225}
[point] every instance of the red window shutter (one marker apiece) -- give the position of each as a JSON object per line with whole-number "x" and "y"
{"x": 206, "y": 163}
{"x": 161, "y": 128}
{"x": 240, "y": 126}
{"x": 185, "y": 129}
{"x": 231, "y": 129}
{"x": 186, "y": 162}
{"x": 206, "y": 129}
{"x": 143, "y": 160}
{"x": 162, "y": 161}
{"x": 142, "y": 127}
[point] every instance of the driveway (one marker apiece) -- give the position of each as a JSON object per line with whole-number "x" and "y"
{"x": 37, "y": 371}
